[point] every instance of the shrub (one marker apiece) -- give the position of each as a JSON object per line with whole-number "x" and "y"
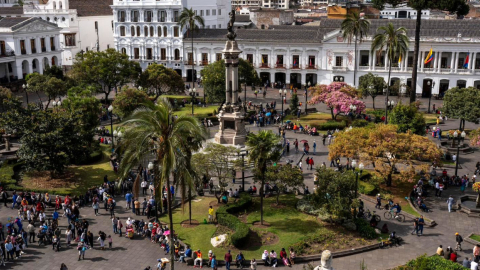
{"x": 359, "y": 123}
{"x": 365, "y": 230}
{"x": 226, "y": 218}
{"x": 434, "y": 262}
{"x": 7, "y": 172}
{"x": 367, "y": 188}
{"x": 308, "y": 206}
{"x": 332, "y": 125}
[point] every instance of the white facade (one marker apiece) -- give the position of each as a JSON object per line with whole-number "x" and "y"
{"x": 27, "y": 45}
{"x": 402, "y": 12}
{"x": 148, "y": 31}
{"x": 282, "y": 4}
{"x": 246, "y": 3}
{"x": 333, "y": 59}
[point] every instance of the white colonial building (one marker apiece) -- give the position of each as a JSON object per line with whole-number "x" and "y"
{"x": 402, "y": 11}
{"x": 297, "y": 55}
{"x": 27, "y": 45}
{"x": 148, "y": 31}
{"x": 85, "y": 24}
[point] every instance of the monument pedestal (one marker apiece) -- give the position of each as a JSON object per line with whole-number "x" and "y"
{"x": 232, "y": 126}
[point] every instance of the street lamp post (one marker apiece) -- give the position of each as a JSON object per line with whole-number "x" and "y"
{"x": 360, "y": 167}
{"x": 25, "y": 89}
{"x": 306, "y": 96}
{"x": 56, "y": 104}
{"x": 110, "y": 110}
{"x": 204, "y": 102}
{"x": 390, "y": 104}
{"x": 245, "y": 97}
{"x": 283, "y": 95}
{"x": 192, "y": 92}
{"x": 353, "y": 109}
{"x": 430, "y": 96}
{"x": 462, "y": 137}
{"x": 151, "y": 167}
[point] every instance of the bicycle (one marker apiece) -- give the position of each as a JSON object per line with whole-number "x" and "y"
{"x": 394, "y": 215}
{"x": 368, "y": 215}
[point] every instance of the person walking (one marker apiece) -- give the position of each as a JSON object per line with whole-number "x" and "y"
{"x": 311, "y": 164}
{"x": 228, "y": 260}
{"x": 82, "y": 247}
{"x": 450, "y": 202}
{"x": 119, "y": 227}
{"x": 415, "y": 226}
{"x": 459, "y": 240}
{"x": 210, "y": 214}
{"x": 95, "y": 207}
{"x": 421, "y": 222}
{"x": 379, "y": 201}
{"x": 128, "y": 198}
{"x": 314, "y": 147}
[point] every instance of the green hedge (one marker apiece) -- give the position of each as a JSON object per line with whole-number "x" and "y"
{"x": 434, "y": 262}
{"x": 365, "y": 230}
{"x": 7, "y": 172}
{"x": 332, "y": 125}
{"x": 226, "y": 218}
{"x": 359, "y": 123}
{"x": 367, "y": 188}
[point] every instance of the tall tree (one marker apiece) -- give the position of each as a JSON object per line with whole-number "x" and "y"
{"x": 458, "y": 7}
{"x": 128, "y": 100}
{"x": 159, "y": 80}
{"x": 284, "y": 177}
{"x": 395, "y": 43}
{"x": 263, "y": 148}
{"x": 462, "y": 103}
{"x": 155, "y": 130}
{"x": 52, "y": 87}
{"x": 190, "y": 20}
{"x": 408, "y": 118}
{"x": 214, "y": 78}
{"x": 105, "y": 70}
{"x": 371, "y": 86}
{"x": 355, "y": 27}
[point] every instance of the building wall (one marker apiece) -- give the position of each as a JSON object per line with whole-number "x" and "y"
{"x": 221, "y": 8}
{"x": 89, "y": 34}
{"x": 266, "y": 18}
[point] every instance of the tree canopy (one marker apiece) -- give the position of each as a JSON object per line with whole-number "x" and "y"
{"x": 283, "y": 177}
{"x": 159, "y": 80}
{"x": 52, "y": 87}
{"x": 213, "y": 78}
{"x": 387, "y": 150}
{"x": 371, "y": 85}
{"x": 128, "y": 100}
{"x": 462, "y": 103}
{"x": 407, "y": 117}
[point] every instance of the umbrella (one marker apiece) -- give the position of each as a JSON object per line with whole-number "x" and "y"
{"x": 167, "y": 232}
{"x": 268, "y": 114}
{"x": 304, "y": 141}
{"x": 288, "y": 121}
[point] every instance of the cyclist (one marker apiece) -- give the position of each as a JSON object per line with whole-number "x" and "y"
{"x": 399, "y": 209}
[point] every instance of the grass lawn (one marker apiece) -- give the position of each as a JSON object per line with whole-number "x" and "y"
{"x": 314, "y": 119}
{"x": 475, "y": 237}
{"x": 78, "y": 180}
{"x": 286, "y": 224}
{"x": 200, "y": 112}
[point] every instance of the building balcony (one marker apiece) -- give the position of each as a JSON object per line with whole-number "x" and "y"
{"x": 364, "y": 67}
{"x": 464, "y": 71}
{"x": 428, "y": 70}
{"x": 7, "y": 54}
{"x": 297, "y": 66}
{"x": 34, "y": 50}
{"x": 311, "y": 67}
{"x": 264, "y": 65}
{"x": 339, "y": 69}
{"x": 23, "y": 52}
{"x": 188, "y": 63}
{"x": 409, "y": 69}
{"x": 44, "y": 49}
{"x": 52, "y": 48}
{"x": 280, "y": 66}
{"x": 445, "y": 70}
{"x": 204, "y": 63}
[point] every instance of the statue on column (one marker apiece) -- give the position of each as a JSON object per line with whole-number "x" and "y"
{"x": 231, "y": 33}
{"x": 326, "y": 262}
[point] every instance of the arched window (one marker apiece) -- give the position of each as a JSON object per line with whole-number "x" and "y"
{"x": 124, "y": 51}
{"x": 165, "y": 32}
{"x": 138, "y": 31}
{"x": 122, "y": 31}
{"x": 177, "y": 54}
{"x": 151, "y": 31}
{"x": 148, "y": 16}
{"x": 60, "y": 5}
{"x": 132, "y": 31}
{"x": 135, "y": 16}
{"x": 145, "y": 31}
{"x": 159, "y": 31}
{"x": 54, "y": 5}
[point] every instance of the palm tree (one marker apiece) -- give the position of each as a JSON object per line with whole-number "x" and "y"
{"x": 263, "y": 148}
{"x": 154, "y": 129}
{"x": 355, "y": 27}
{"x": 189, "y": 20}
{"x": 395, "y": 43}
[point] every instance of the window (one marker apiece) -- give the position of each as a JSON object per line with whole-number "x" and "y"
{"x": 175, "y": 31}
{"x": 96, "y": 25}
{"x": 145, "y": 31}
{"x": 112, "y": 25}
{"x": 52, "y": 43}
{"x": 219, "y": 25}
{"x": 338, "y": 61}
{"x": 148, "y": 16}
{"x": 364, "y": 60}
{"x": 311, "y": 61}
{"x": 250, "y": 58}
{"x": 279, "y": 60}
{"x": 54, "y": 61}
{"x": 121, "y": 16}
{"x": 159, "y": 31}
{"x": 149, "y": 54}
{"x": 136, "y": 53}
{"x": 138, "y": 31}
{"x": 132, "y": 31}
{"x": 165, "y": 31}
{"x": 135, "y": 16}
{"x": 124, "y": 51}
{"x": 162, "y": 16}
{"x": 122, "y": 31}
{"x": 204, "y": 59}
{"x": 2, "y": 48}
{"x": 219, "y": 12}
{"x": 264, "y": 60}
{"x": 151, "y": 31}
{"x": 190, "y": 59}
{"x": 218, "y": 57}
{"x": 443, "y": 62}
{"x": 208, "y": 26}
{"x": 23, "y": 49}
{"x": 163, "y": 54}
{"x": 296, "y": 61}
{"x": 214, "y": 12}
{"x": 42, "y": 45}
{"x": 207, "y": 12}
{"x": 32, "y": 46}
{"x": 177, "y": 54}
{"x": 175, "y": 16}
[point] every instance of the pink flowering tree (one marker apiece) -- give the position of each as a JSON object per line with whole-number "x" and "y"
{"x": 475, "y": 137}
{"x": 338, "y": 97}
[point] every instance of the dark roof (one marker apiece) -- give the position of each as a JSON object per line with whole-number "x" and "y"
{"x": 308, "y": 34}
{"x": 92, "y": 7}
{"x": 11, "y": 10}
{"x": 10, "y": 22}
{"x": 430, "y": 28}
{"x": 242, "y": 18}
